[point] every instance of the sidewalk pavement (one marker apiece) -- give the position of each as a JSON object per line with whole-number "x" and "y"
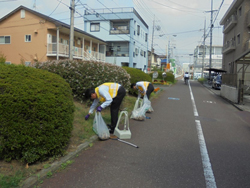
{"x": 243, "y": 107}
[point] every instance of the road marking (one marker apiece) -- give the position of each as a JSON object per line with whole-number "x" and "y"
{"x": 211, "y": 102}
{"x": 173, "y": 98}
{"x": 193, "y": 102}
{"x": 207, "y": 167}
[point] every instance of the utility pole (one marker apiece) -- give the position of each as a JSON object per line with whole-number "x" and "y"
{"x": 152, "y": 44}
{"x": 168, "y": 46}
{"x": 211, "y": 40}
{"x": 71, "y": 40}
{"x": 204, "y": 50}
{"x": 34, "y": 5}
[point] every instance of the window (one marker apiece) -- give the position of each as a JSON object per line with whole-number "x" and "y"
{"x": 27, "y": 63}
{"x": 238, "y": 39}
{"x": 27, "y": 38}
{"x": 146, "y": 37}
{"x": 22, "y": 13}
{"x": 117, "y": 27}
{"x": 4, "y": 39}
{"x": 136, "y": 51}
{"x": 94, "y": 27}
{"x": 138, "y": 30}
{"x": 7, "y": 62}
{"x": 240, "y": 11}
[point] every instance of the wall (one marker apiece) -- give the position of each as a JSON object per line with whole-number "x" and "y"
{"x": 135, "y": 41}
{"x": 18, "y": 50}
{"x": 230, "y": 93}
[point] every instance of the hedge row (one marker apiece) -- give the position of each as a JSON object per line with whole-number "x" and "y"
{"x": 36, "y": 113}
{"x": 82, "y": 75}
{"x": 169, "y": 76}
{"x": 136, "y": 75}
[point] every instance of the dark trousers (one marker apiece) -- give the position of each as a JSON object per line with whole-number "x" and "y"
{"x": 150, "y": 90}
{"x": 115, "y": 105}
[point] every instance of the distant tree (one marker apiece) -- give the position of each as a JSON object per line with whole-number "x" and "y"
{"x": 2, "y": 58}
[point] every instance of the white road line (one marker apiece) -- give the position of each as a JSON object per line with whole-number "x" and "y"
{"x": 207, "y": 167}
{"x": 193, "y": 102}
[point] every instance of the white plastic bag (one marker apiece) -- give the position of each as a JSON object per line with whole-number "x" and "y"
{"x": 139, "y": 113}
{"x": 100, "y": 127}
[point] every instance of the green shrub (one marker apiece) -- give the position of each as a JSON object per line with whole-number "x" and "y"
{"x": 202, "y": 80}
{"x": 169, "y": 76}
{"x": 82, "y": 75}
{"x": 136, "y": 75}
{"x": 36, "y": 113}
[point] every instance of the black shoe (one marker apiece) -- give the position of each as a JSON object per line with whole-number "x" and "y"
{"x": 111, "y": 131}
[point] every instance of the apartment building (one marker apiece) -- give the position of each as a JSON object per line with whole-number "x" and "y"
{"x": 203, "y": 59}
{"x": 27, "y": 36}
{"x": 125, "y": 33}
{"x": 236, "y": 49}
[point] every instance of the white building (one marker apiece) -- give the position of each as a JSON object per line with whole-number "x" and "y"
{"x": 216, "y": 62}
{"x": 125, "y": 33}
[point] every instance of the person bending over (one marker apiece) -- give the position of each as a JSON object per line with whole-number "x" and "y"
{"x": 143, "y": 87}
{"x": 109, "y": 94}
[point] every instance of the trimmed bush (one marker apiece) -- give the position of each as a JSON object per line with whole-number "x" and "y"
{"x": 202, "y": 80}
{"x": 168, "y": 78}
{"x": 36, "y": 113}
{"x": 136, "y": 75}
{"x": 82, "y": 75}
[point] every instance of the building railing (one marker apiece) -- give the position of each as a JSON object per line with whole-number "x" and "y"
{"x": 119, "y": 31}
{"x": 109, "y": 10}
{"x": 78, "y": 53}
{"x": 230, "y": 80}
{"x": 229, "y": 46}
{"x": 230, "y": 23}
{"x": 247, "y": 46}
{"x": 248, "y": 19}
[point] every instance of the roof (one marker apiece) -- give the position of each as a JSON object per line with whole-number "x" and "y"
{"x": 52, "y": 20}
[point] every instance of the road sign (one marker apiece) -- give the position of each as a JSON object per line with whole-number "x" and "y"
{"x": 155, "y": 74}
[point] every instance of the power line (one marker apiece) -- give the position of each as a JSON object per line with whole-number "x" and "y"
{"x": 55, "y": 8}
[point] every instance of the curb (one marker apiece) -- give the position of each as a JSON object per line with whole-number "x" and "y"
{"x": 31, "y": 181}
{"x": 224, "y": 98}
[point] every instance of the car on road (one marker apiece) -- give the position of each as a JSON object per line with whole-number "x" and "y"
{"x": 216, "y": 83}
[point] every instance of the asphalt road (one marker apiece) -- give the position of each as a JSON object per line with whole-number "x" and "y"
{"x": 194, "y": 139}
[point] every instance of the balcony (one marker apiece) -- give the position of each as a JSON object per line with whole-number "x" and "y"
{"x": 77, "y": 54}
{"x": 229, "y": 47}
{"x": 248, "y": 19}
{"x": 247, "y": 46}
{"x": 124, "y": 31}
{"x": 230, "y": 23}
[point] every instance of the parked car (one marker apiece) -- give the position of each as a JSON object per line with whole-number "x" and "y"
{"x": 216, "y": 83}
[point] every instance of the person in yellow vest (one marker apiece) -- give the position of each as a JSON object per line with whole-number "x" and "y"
{"x": 109, "y": 94}
{"x": 143, "y": 87}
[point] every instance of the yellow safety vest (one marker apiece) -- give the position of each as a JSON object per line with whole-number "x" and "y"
{"x": 145, "y": 85}
{"x": 113, "y": 88}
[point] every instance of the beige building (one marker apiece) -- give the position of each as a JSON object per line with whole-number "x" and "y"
{"x": 27, "y": 36}
{"x": 236, "y": 51}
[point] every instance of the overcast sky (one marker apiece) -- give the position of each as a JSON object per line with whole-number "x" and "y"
{"x": 183, "y": 18}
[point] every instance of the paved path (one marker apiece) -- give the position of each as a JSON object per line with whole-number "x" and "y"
{"x": 169, "y": 153}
